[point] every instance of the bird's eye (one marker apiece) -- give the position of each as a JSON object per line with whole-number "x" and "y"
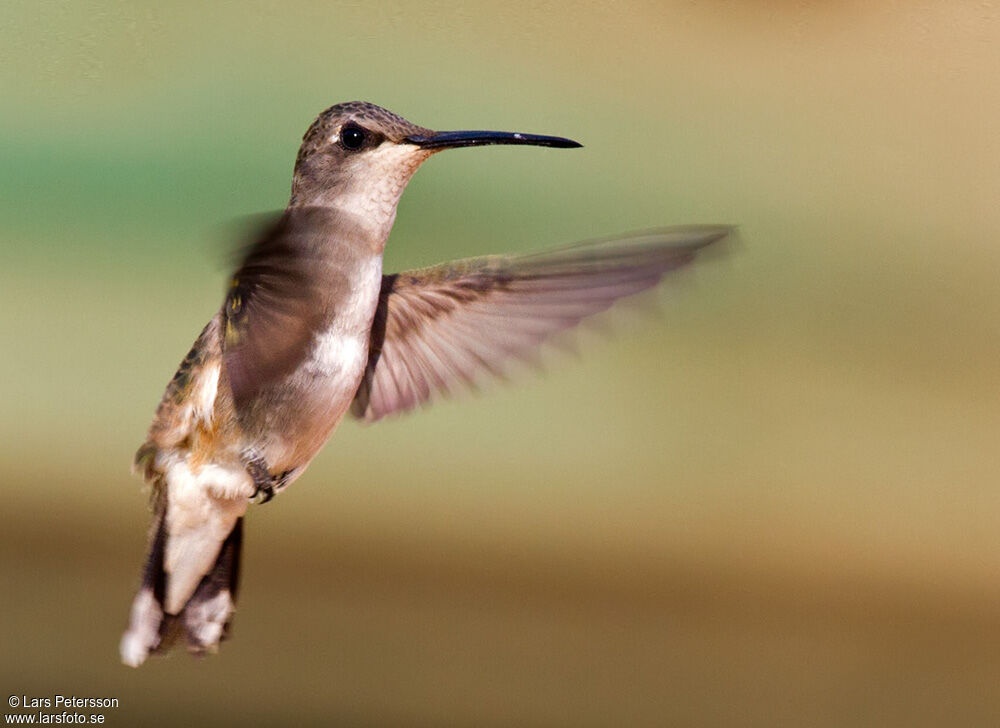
{"x": 352, "y": 137}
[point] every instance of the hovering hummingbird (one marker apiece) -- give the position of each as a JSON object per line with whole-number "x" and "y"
{"x": 310, "y": 329}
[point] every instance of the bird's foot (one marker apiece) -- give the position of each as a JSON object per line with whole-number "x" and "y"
{"x": 265, "y": 484}
{"x": 265, "y": 491}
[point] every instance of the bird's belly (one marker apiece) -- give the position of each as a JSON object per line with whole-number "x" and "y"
{"x": 313, "y": 401}
{"x": 294, "y": 418}
{"x": 309, "y": 404}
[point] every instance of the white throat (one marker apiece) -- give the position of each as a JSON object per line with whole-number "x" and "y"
{"x": 373, "y": 187}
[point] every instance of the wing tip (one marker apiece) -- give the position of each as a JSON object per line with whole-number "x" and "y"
{"x": 689, "y": 237}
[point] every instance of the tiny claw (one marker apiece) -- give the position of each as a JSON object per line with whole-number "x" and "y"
{"x": 263, "y": 481}
{"x": 267, "y": 489}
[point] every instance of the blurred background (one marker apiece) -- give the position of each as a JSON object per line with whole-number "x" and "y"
{"x": 775, "y": 502}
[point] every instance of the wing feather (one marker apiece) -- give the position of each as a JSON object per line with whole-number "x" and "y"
{"x": 273, "y": 306}
{"x": 439, "y": 328}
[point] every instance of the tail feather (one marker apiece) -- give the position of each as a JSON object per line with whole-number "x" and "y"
{"x": 205, "y": 617}
{"x": 146, "y": 623}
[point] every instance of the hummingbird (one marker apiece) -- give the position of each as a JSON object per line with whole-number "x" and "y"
{"x": 311, "y": 329}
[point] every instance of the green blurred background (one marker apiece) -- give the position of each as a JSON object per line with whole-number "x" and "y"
{"x": 773, "y": 503}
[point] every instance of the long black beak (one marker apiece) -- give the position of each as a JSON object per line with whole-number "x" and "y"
{"x": 453, "y": 139}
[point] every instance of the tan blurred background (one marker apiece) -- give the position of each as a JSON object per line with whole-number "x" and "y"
{"x": 775, "y": 503}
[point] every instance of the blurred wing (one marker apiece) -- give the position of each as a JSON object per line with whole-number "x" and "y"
{"x": 443, "y": 326}
{"x": 273, "y": 305}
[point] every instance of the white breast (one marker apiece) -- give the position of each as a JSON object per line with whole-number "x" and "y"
{"x": 337, "y": 353}
{"x": 341, "y": 351}
{"x": 317, "y": 396}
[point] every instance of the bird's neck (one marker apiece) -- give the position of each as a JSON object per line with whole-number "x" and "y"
{"x": 364, "y": 231}
{"x": 359, "y": 213}
{"x": 366, "y": 196}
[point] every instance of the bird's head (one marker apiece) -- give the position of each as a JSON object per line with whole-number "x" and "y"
{"x": 358, "y": 157}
